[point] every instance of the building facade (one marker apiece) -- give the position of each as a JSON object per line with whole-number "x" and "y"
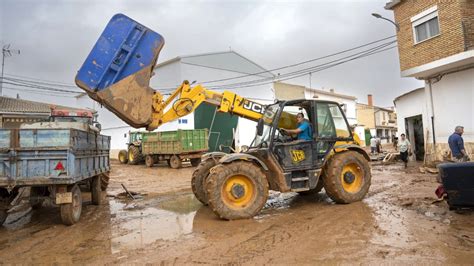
{"x": 15, "y": 112}
{"x": 410, "y": 116}
{"x": 436, "y": 44}
{"x": 377, "y": 121}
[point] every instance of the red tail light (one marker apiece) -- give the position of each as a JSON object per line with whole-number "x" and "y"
{"x": 59, "y": 167}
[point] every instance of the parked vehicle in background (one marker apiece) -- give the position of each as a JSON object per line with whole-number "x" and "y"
{"x": 133, "y": 153}
{"x": 175, "y": 146}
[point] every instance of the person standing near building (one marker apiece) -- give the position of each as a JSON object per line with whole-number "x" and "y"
{"x": 373, "y": 145}
{"x": 456, "y": 144}
{"x": 404, "y": 147}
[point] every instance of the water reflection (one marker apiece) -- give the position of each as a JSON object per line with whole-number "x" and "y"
{"x": 136, "y": 227}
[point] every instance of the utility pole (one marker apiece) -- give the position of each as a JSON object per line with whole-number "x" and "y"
{"x": 6, "y": 51}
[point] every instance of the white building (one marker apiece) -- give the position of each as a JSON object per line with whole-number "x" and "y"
{"x": 411, "y": 116}
{"x": 436, "y": 44}
{"x": 221, "y": 67}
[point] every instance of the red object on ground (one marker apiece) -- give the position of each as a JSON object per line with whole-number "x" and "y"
{"x": 440, "y": 192}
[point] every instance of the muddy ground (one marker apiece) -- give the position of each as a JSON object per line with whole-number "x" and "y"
{"x": 396, "y": 223}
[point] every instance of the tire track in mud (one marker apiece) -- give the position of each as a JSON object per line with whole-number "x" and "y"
{"x": 300, "y": 229}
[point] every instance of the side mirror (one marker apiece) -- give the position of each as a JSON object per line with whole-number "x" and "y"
{"x": 260, "y": 127}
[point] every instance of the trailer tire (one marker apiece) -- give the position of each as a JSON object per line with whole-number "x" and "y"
{"x": 149, "y": 161}
{"x": 237, "y": 190}
{"x": 71, "y": 212}
{"x": 175, "y": 162}
{"x": 133, "y": 155}
{"x": 96, "y": 190}
{"x": 3, "y": 216}
{"x": 195, "y": 161}
{"x": 198, "y": 182}
{"x": 347, "y": 178}
{"x": 123, "y": 156}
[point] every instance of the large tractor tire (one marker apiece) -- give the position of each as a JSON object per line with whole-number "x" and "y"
{"x": 198, "y": 182}
{"x": 71, "y": 212}
{"x": 347, "y": 177}
{"x": 237, "y": 190}
{"x": 175, "y": 162}
{"x": 123, "y": 156}
{"x": 133, "y": 155}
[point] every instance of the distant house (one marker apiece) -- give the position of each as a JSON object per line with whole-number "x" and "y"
{"x": 436, "y": 44}
{"x": 216, "y": 71}
{"x": 378, "y": 121}
{"x": 15, "y": 112}
{"x": 410, "y": 119}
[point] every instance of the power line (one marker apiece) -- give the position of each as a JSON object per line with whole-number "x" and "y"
{"x": 305, "y": 71}
{"x": 40, "y": 92}
{"x": 38, "y": 87}
{"x": 303, "y": 62}
{"x": 59, "y": 83}
{"x": 303, "y": 74}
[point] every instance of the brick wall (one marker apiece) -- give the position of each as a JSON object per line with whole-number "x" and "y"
{"x": 449, "y": 42}
{"x": 467, "y": 12}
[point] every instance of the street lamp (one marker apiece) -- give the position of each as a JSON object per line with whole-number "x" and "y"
{"x": 389, "y": 20}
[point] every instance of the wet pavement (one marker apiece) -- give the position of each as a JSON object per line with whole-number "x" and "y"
{"x": 396, "y": 223}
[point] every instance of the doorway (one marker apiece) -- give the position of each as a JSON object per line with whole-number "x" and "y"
{"x": 414, "y": 131}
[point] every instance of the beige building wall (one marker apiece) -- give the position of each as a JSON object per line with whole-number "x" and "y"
{"x": 284, "y": 91}
{"x": 365, "y": 115}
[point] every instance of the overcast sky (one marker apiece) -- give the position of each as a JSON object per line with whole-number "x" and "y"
{"x": 56, "y": 36}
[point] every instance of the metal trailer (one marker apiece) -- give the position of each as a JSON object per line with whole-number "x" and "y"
{"x": 54, "y": 163}
{"x": 175, "y": 146}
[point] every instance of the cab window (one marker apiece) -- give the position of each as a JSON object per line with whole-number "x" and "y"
{"x": 331, "y": 122}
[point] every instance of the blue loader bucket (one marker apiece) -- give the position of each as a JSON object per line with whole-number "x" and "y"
{"x": 117, "y": 71}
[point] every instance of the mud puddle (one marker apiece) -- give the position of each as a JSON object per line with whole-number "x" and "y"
{"x": 138, "y": 224}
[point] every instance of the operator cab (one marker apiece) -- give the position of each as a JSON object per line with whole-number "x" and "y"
{"x": 302, "y": 157}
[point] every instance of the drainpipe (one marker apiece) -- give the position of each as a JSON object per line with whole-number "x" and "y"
{"x": 429, "y": 83}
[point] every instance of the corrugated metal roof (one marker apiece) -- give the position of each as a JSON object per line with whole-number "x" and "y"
{"x": 12, "y": 105}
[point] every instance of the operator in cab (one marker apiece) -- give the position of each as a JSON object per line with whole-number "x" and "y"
{"x": 303, "y": 131}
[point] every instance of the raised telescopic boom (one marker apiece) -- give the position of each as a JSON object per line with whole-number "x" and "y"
{"x": 117, "y": 74}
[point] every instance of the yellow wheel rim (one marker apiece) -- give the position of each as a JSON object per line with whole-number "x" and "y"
{"x": 238, "y": 191}
{"x": 130, "y": 156}
{"x": 352, "y": 177}
{"x": 121, "y": 157}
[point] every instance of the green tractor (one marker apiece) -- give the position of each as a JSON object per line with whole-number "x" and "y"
{"x": 133, "y": 153}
